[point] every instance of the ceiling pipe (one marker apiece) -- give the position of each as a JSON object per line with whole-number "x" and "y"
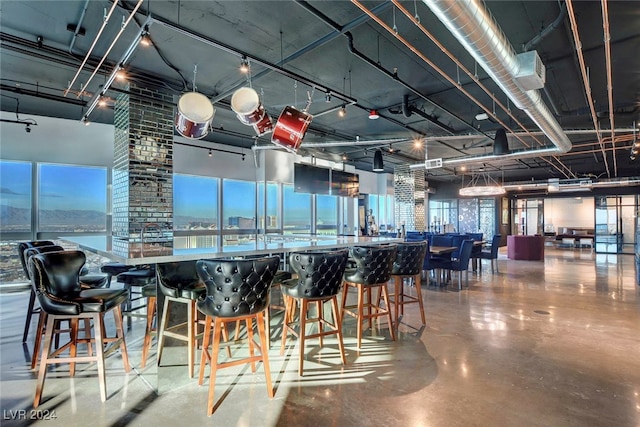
{"x": 547, "y": 30}
{"x": 355, "y": 143}
{"x": 607, "y": 54}
{"x": 78, "y": 26}
{"x": 474, "y": 27}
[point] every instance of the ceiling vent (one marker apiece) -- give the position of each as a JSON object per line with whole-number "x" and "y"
{"x": 531, "y": 71}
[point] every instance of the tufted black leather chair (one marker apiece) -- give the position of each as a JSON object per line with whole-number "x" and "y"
{"x": 236, "y": 290}
{"x": 179, "y": 283}
{"x": 31, "y": 309}
{"x": 408, "y": 265}
{"x": 373, "y": 271}
{"x": 56, "y": 281}
{"x": 86, "y": 282}
{"x": 319, "y": 280}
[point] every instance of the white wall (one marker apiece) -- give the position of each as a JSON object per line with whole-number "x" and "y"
{"x": 63, "y": 141}
{"x": 56, "y": 141}
{"x": 569, "y": 212}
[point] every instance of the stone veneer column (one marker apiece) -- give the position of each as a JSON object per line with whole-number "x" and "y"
{"x": 409, "y": 189}
{"x": 143, "y": 166}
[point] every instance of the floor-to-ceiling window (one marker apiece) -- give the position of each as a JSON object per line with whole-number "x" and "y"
{"x": 296, "y": 211}
{"x": 195, "y": 211}
{"x": 15, "y": 206}
{"x": 268, "y": 207}
{"x": 72, "y": 199}
{"x": 326, "y": 215}
{"x": 238, "y": 211}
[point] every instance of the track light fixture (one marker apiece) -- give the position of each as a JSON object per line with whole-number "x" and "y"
{"x": 378, "y": 164}
{"x": 327, "y": 97}
{"x": 343, "y": 111}
{"x": 244, "y": 65}
{"x": 344, "y": 157}
{"x": 373, "y": 115}
{"x": 145, "y": 40}
{"x": 85, "y": 121}
{"x": 210, "y": 153}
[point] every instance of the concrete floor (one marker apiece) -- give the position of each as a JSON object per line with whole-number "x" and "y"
{"x": 553, "y": 343}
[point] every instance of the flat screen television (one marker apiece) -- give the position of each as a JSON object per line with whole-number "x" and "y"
{"x": 310, "y": 179}
{"x": 345, "y": 184}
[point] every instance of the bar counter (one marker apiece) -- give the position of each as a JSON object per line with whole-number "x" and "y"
{"x": 137, "y": 253}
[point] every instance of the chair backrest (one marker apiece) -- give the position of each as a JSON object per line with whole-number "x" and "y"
{"x": 465, "y": 254}
{"x": 29, "y": 252}
{"x": 414, "y": 236}
{"x": 319, "y": 273}
{"x": 426, "y": 263}
{"x": 56, "y": 280}
{"x": 476, "y": 236}
{"x": 175, "y": 277}
{"x": 22, "y": 246}
{"x": 373, "y": 264}
{"x": 495, "y": 243}
{"x": 440, "y": 240}
{"x": 457, "y": 240}
{"x": 409, "y": 258}
{"x": 236, "y": 287}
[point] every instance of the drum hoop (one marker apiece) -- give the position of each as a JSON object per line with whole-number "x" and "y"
{"x": 253, "y": 94}
{"x": 200, "y": 98}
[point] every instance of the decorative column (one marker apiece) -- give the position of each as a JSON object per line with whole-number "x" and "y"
{"x": 143, "y": 171}
{"x": 409, "y": 189}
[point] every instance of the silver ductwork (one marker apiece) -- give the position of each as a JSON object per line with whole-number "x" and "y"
{"x": 474, "y": 27}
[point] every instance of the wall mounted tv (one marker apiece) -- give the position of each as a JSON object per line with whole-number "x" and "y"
{"x": 311, "y": 179}
{"x": 345, "y": 184}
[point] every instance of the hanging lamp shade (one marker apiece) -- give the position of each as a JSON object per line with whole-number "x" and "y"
{"x": 378, "y": 164}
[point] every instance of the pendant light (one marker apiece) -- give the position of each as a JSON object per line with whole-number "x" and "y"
{"x": 378, "y": 164}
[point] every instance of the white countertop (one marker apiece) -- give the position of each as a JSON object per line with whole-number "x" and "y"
{"x": 135, "y": 254}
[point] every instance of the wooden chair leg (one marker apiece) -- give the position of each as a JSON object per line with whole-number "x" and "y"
{"x": 146, "y": 346}
{"x": 46, "y": 350}
{"x": 99, "y": 333}
{"x": 214, "y": 364}
{"x": 419, "y": 296}
{"x": 205, "y": 356}
{"x": 265, "y": 354}
{"x": 117, "y": 317}
{"x": 385, "y": 297}
{"x": 360, "y": 314}
{"x": 162, "y": 327}
{"x": 338, "y": 322}
{"x": 42, "y": 320}
{"x": 304, "y": 308}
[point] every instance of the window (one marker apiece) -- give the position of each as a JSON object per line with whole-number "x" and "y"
{"x": 15, "y": 197}
{"x": 238, "y": 204}
{"x": 327, "y": 215}
{"x": 297, "y": 211}
{"x": 272, "y": 218}
{"x": 72, "y": 198}
{"x": 195, "y": 202}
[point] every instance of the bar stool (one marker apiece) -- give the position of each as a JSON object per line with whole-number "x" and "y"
{"x": 86, "y": 282}
{"x": 31, "y": 310}
{"x": 408, "y": 265}
{"x": 114, "y": 269}
{"x": 55, "y": 278}
{"x": 319, "y": 281}
{"x": 180, "y": 284}
{"x": 134, "y": 280}
{"x": 373, "y": 271}
{"x": 236, "y": 290}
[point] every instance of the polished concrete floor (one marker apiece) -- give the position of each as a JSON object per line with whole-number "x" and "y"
{"x": 553, "y": 343}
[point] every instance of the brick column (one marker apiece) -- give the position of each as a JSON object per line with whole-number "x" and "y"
{"x": 143, "y": 168}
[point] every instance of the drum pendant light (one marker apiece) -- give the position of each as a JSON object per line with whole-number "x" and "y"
{"x": 378, "y": 164}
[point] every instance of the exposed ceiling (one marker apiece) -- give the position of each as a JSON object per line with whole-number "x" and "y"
{"x": 420, "y": 79}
